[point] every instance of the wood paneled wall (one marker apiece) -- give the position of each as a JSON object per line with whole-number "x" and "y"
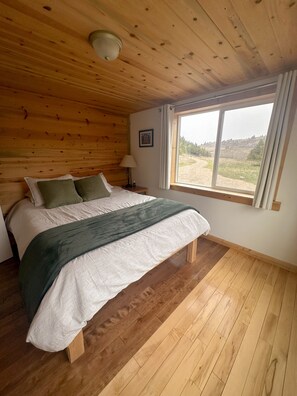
{"x": 43, "y": 136}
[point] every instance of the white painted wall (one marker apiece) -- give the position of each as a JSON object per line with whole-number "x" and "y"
{"x": 268, "y": 232}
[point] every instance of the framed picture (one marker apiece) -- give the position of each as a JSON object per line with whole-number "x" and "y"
{"x": 146, "y": 138}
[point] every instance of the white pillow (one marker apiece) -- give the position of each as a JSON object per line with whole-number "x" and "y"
{"x": 107, "y": 185}
{"x": 37, "y": 199}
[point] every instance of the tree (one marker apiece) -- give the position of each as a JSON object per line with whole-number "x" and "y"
{"x": 256, "y": 153}
{"x": 186, "y": 147}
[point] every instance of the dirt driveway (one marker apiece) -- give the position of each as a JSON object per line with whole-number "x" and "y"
{"x": 198, "y": 173}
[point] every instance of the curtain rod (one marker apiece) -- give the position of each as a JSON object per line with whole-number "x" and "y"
{"x": 224, "y": 95}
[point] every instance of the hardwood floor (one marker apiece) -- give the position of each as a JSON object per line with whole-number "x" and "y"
{"x": 224, "y": 325}
{"x": 234, "y": 334}
{"x": 112, "y": 338}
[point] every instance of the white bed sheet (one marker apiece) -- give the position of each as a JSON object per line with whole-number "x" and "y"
{"x": 86, "y": 283}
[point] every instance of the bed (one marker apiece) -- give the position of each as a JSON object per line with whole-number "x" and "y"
{"x": 86, "y": 283}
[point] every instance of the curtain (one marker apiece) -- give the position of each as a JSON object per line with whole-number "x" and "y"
{"x": 167, "y": 114}
{"x": 275, "y": 141}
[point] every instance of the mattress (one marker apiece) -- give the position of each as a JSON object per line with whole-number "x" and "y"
{"x": 86, "y": 283}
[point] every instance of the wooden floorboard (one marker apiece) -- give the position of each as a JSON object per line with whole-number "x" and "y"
{"x": 235, "y": 334}
{"x": 119, "y": 330}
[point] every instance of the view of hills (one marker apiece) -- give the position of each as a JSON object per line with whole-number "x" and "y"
{"x": 237, "y": 149}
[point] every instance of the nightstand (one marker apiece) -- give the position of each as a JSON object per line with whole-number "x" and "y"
{"x": 5, "y": 248}
{"x": 137, "y": 189}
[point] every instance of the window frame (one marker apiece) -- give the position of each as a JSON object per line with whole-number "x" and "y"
{"x": 214, "y": 191}
{"x": 241, "y": 104}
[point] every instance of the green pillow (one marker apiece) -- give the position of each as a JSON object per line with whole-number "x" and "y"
{"x": 90, "y": 188}
{"x": 58, "y": 192}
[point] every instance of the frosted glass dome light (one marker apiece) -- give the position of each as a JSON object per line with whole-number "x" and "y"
{"x": 106, "y": 44}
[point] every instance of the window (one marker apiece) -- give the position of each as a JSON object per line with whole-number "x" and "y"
{"x": 221, "y": 147}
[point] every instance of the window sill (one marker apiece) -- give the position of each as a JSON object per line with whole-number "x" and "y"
{"x": 225, "y": 196}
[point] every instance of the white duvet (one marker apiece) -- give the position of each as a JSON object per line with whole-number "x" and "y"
{"x": 86, "y": 283}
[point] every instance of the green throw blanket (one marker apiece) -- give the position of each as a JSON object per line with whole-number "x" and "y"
{"x": 50, "y": 250}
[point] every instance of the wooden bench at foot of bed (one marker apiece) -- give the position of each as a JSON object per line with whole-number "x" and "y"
{"x": 76, "y": 348}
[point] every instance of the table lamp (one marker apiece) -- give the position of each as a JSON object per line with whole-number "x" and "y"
{"x": 128, "y": 162}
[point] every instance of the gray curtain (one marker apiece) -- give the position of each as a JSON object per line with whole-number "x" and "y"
{"x": 167, "y": 114}
{"x": 275, "y": 141}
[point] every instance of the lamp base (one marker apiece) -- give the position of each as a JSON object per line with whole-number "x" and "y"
{"x": 128, "y": 185}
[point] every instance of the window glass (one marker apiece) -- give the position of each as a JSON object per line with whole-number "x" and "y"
{"x": 242, "y": 144}
{"x": 196, "y": 148}
{"x": 223, "y": 148}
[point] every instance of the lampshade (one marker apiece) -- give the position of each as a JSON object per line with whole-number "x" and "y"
{"x": 106, "y": 44}
{"x": 128, "y": 162}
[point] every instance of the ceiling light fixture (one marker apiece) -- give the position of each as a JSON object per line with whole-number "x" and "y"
{"x": 106, "y": 44}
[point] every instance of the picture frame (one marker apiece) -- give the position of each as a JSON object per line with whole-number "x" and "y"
{"x": 146, "y": 138}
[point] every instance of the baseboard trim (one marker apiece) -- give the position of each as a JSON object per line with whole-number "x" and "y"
{"x": 260, "y": 256}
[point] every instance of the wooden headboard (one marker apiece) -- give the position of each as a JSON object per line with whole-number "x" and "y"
{"x": 44, "y": 136}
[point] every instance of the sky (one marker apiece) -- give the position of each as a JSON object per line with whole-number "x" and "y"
{"x": 238, "y": 124}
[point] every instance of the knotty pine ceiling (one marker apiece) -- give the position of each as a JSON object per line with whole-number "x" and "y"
{"x": 172, "y": 49}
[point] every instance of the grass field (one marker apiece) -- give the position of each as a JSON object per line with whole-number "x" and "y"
{"x": 184, "y": 161}
{"x": 239, "y": 170}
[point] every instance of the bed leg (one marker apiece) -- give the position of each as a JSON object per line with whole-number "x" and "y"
{"x": 76, "y": 348}
{"x": 192, "y": 251}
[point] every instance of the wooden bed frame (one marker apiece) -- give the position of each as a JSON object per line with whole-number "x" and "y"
{"x": 76, "y": 348}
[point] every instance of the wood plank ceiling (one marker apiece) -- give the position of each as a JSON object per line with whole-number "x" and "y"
{"x": 172, "y": 49}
